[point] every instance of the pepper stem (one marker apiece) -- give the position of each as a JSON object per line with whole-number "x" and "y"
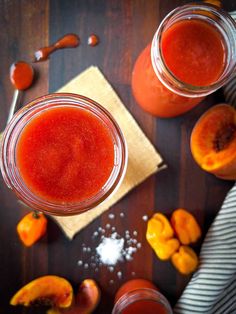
{"x": 35, "y": 214}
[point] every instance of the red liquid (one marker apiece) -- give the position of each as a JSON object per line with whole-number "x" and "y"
{"x": 21, "y": 75}
{"x": 93, "y": 40}
{"x": 145, "y": 307}
{"x": 142, "y": 306}
{"x": 132, "y": 285}
{"x": 67, "y": 41}
{"x": 193, "y": 50}
{"x": 65, "y": 155}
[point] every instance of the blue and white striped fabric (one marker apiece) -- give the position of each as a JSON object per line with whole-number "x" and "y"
{"x": 230, "y": 88}
{"x": 212, "y": 289}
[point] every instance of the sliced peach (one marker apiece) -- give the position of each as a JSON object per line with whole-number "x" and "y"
{"x": 46, "y": 290}
{"x": 88, "y": 296}
{"x": 86, "y": 301}
{"x": 213, "y": 141}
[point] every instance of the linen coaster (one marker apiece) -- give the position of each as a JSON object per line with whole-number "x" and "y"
{"x": 143, "y": 159}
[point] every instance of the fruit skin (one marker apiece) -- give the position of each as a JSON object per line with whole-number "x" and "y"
{"x": 31, "y": 228}
{"x": 185, "y": 260}
{"x": 160, "y": 236}
{"x": 85, "y": 302}
{"x": 185, "y": 226}
{"x": 213, "y": 141}
{"x": 56, "y": 290}
{"x": 88, "y": 296}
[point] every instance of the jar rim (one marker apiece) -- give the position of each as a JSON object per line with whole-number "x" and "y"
{"x": 162, "y": 71}
{"x": 8, "y": 151}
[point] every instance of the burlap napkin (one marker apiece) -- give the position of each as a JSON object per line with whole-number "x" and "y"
{"x": 143, "y": 159}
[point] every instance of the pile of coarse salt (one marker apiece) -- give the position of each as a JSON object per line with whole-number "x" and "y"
{"x": 111, "y": 248}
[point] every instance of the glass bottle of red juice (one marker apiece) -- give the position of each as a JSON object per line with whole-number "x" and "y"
{"x": 192, "y": 54}
{"x": 140, "y": 296}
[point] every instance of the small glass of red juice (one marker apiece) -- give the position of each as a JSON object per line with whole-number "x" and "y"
{"x": 63, "y": 154}
{"x": 192, "y": 54}
{"x": 140, "y": 296}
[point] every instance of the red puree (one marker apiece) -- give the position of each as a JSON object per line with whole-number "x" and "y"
{"x": 21, "y": 75}
{"x": 193, "y": 50}
{"x": 67, "y": 41}
{"x": 143, "y": 305}
{"x": 93, "y": 40}
{"x": 65, "y": 154}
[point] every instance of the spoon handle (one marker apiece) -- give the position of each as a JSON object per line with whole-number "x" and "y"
{"x": 14, "y": 103}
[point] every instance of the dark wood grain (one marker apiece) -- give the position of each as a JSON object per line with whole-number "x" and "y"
{"x": 124, "y": 28}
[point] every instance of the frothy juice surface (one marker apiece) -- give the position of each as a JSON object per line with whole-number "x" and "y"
{"x": 194, "y": 52}
{"x": 65, "y": 154}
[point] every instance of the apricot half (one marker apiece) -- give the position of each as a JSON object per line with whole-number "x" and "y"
{"x": 213, "y": 141}
{"x": 46, "y": 290}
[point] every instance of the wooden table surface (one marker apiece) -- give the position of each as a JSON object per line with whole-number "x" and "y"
{"x": 125, "y": 28}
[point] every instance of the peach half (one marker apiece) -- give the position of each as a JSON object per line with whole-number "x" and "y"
{"x": 213, "y": 141}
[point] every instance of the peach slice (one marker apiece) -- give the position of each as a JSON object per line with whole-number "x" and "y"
{"x": 46, "y": 290}
{"x": 213, "y": 141}
{"x": 88, "y": 296}
{"x": 86, "y": 300}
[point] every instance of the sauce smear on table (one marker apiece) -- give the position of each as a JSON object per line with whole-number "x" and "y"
{"x": 65, "y": 155}
{"x": 93, "y": 40}
{"x": 67, "y": 41}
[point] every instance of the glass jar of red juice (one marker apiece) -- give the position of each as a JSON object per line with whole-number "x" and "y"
{"x": 140, "y": 296}
{"x": 63, "y": 154}
{"x": 192, "y": 54}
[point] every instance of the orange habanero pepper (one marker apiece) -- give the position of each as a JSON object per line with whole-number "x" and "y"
{"x": 185, "y": 226}
{"x": 31, "y": 228}
{"x": 185, "y": 260}
{"x": 160, "y": 236}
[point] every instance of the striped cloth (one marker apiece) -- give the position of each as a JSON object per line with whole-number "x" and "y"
{"x": 212, "y": 289}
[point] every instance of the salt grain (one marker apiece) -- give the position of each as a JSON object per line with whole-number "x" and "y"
{"x": 145, "y": 218}
{"x": 110, "y": 250}
{"x": 139, "y": 245}
{"x": 111, "y": 216}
